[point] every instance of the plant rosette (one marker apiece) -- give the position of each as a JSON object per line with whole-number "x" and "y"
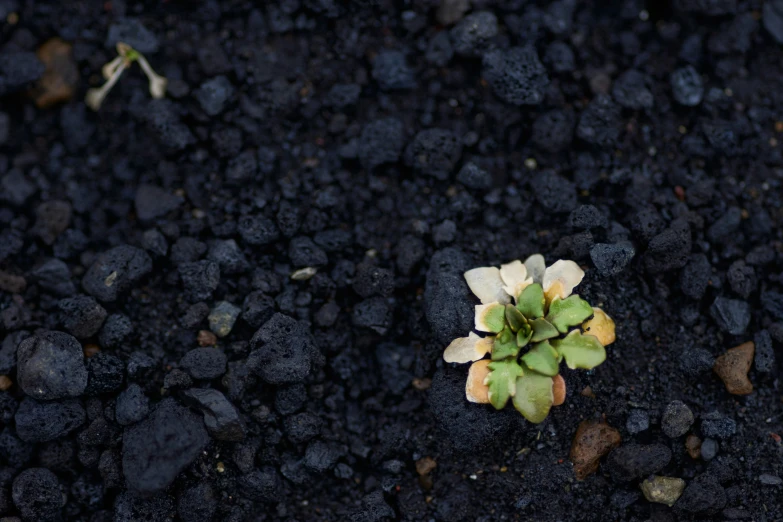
{"x": 530, "y": 321}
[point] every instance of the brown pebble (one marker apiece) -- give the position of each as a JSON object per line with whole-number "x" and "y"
{"x": 206, "y": 338}
{"x": 425, "y": 464}
{"x": 90, "y": 350}
{"x": 733, "y": 367}
{"x": 5, "y": 382}
{"x": 588, "y": 392}
{"x": 693, "y": 446}
{"x": 592, "y": 441}
{"x": 422, "y": 384}
{"x": 61, "y": 76}
{"x": 558, "y": 390}
{"x": 13, "y": 284}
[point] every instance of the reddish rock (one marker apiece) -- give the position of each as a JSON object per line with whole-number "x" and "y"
{"x": 592, "y": 441}
{"x": 61, "y": 76}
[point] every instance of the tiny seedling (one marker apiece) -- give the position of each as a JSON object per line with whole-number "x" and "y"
{"x": 114, "y": 69}
{"x": 531, "y": 322}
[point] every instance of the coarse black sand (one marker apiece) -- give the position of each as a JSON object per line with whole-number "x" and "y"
{"x": 161, "y": 364}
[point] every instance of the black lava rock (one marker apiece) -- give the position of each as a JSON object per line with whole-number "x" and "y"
{"x": 204, "y": 363}
{"x": 742, "y": 278}
{"x": 553, "y": 131}
{"x": 257, "y": 230}
{"x": 695, "y": 277}
{"x": 709, "y": 449}
{"x": 258, "y": 308}
{"x": 725, "y": 225}
{"x": 242, "y": 168}
{"x": 220, "y": 416}
{"x": 140, "y": 366}
{"x": 670, "y": 249}
{"x": 732, "y": 315}
{"x": 37, "y": 496}
{"x": 116, "y": 329}
{"x": 153, "y": 202}
{"x": 81, "y": 315}
{"x": 187, "y": 250}
{"x": 54, "y": 277}
{"x": 303, "y": 252}
{"x": 637, "y": 422}
{"x": 610, "y": 259}
{"x": 554, "y": 192}
{"x": 302, "y": 427}
{"x": 703, "y": 495}
{"x": 282, "y": 351}
{"x": 717, "y": 426}
{"x": 631, "y": 91}
{"x": 516, "y": 75}
{"x": 199, "y": 279}
{"x": 600, "y": 124}
{"x": 390, "y": 69}
{"x": 772, "y": 18}
{"x": 18, "y": 70}
{"x": 634, "y": 461}
{"x": 474, "y": 34}
{"x": 44, "y": 421}
{"x": 157, "y": 449}
{"x": 687, "y": 87}
{"x": 447, "y": 302}
{"x": 381, "y": 142}
{"x": 131, "y": 406}
{"x": 213, "y": 94}
{"x": 105, "y": 374}
{"x": 586, "y": 217}
{"x": 410, "y": 251}
{"x": 676, "y": 420}
{"x": 371, "y": 280}
{"x": 373, "y": 313}
{"x": 50, "y": 365}
{"x": 773, "y": 303}
{"x": 467, "y": 426}
{"x": 198, "y": 503}
{"x": 765, "y": 355}
{"x": 228, "y": 256}
{"x": 474, "y": 177}
{"x": 262, "y": 485}
{"x": 434, "y": 152}
{"x": 116, "y": 271}
{"x": 134, "y": 33}
{"x": 290, "y": 399}
{"x": 321, "y": 456}
{"x": 696, "y": 361}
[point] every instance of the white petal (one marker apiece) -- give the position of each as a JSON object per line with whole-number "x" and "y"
{"x": 515, "y": 277}
{"x": 561, "y": 278}
{"x": 467, "y": 349}
{"x": 486, "y": 284}
{"x": 536, "y": 267}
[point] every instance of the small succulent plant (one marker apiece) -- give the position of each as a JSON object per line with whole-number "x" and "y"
{"x": 531, "y": 322}
{"x": 112, "y": 71}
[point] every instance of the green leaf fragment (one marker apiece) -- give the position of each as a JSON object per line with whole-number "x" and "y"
{"x": 502, "y": 381}
{"x": 505, "y": 345}
{"x": 542, "y": 358}
{"x": 571, "y": 311}
{"x": 580, "y": 351}
{"x": 490, "y": 318}
{"x": 515, "y": 318}
{"x": 533, "y": 397}
{"x": 531, "y": 301}
{"x": 523, "y": 337}
{"x": 542, "y": 330}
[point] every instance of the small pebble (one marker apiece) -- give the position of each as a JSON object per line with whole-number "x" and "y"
{"x": 638, "y": 421}
{"x": 592, "y": 441}
{"x": 223, "y": 317}
{"x": 733, "y": 367}
{"x": 709, "y": 448}
{"x": 663, "y": 490}
{"x": 677, "y": 419}
{"x": 770, "y": 480}
{"x": 693, "y": 446}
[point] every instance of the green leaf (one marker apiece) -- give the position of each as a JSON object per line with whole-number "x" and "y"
{"x": 490, "y": 318}
{"x": 523, "y": 337}
{"x": 533, "y": 397}
{"x": 571, "y": 311}
{"x": 542, "y": 358}
{"x": 515, "y": 318}
{"x": 580, "y": 351}
{"x": 502, "y": 381}
{"x": 531, "y": 301}
{"x": 542, "y": 330}
{"x": 505, "y": 345}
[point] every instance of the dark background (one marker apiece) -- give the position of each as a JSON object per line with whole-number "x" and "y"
{"x": 394, "y": 145}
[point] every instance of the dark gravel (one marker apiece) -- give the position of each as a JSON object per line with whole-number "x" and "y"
{"x": 159, "y": 363}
